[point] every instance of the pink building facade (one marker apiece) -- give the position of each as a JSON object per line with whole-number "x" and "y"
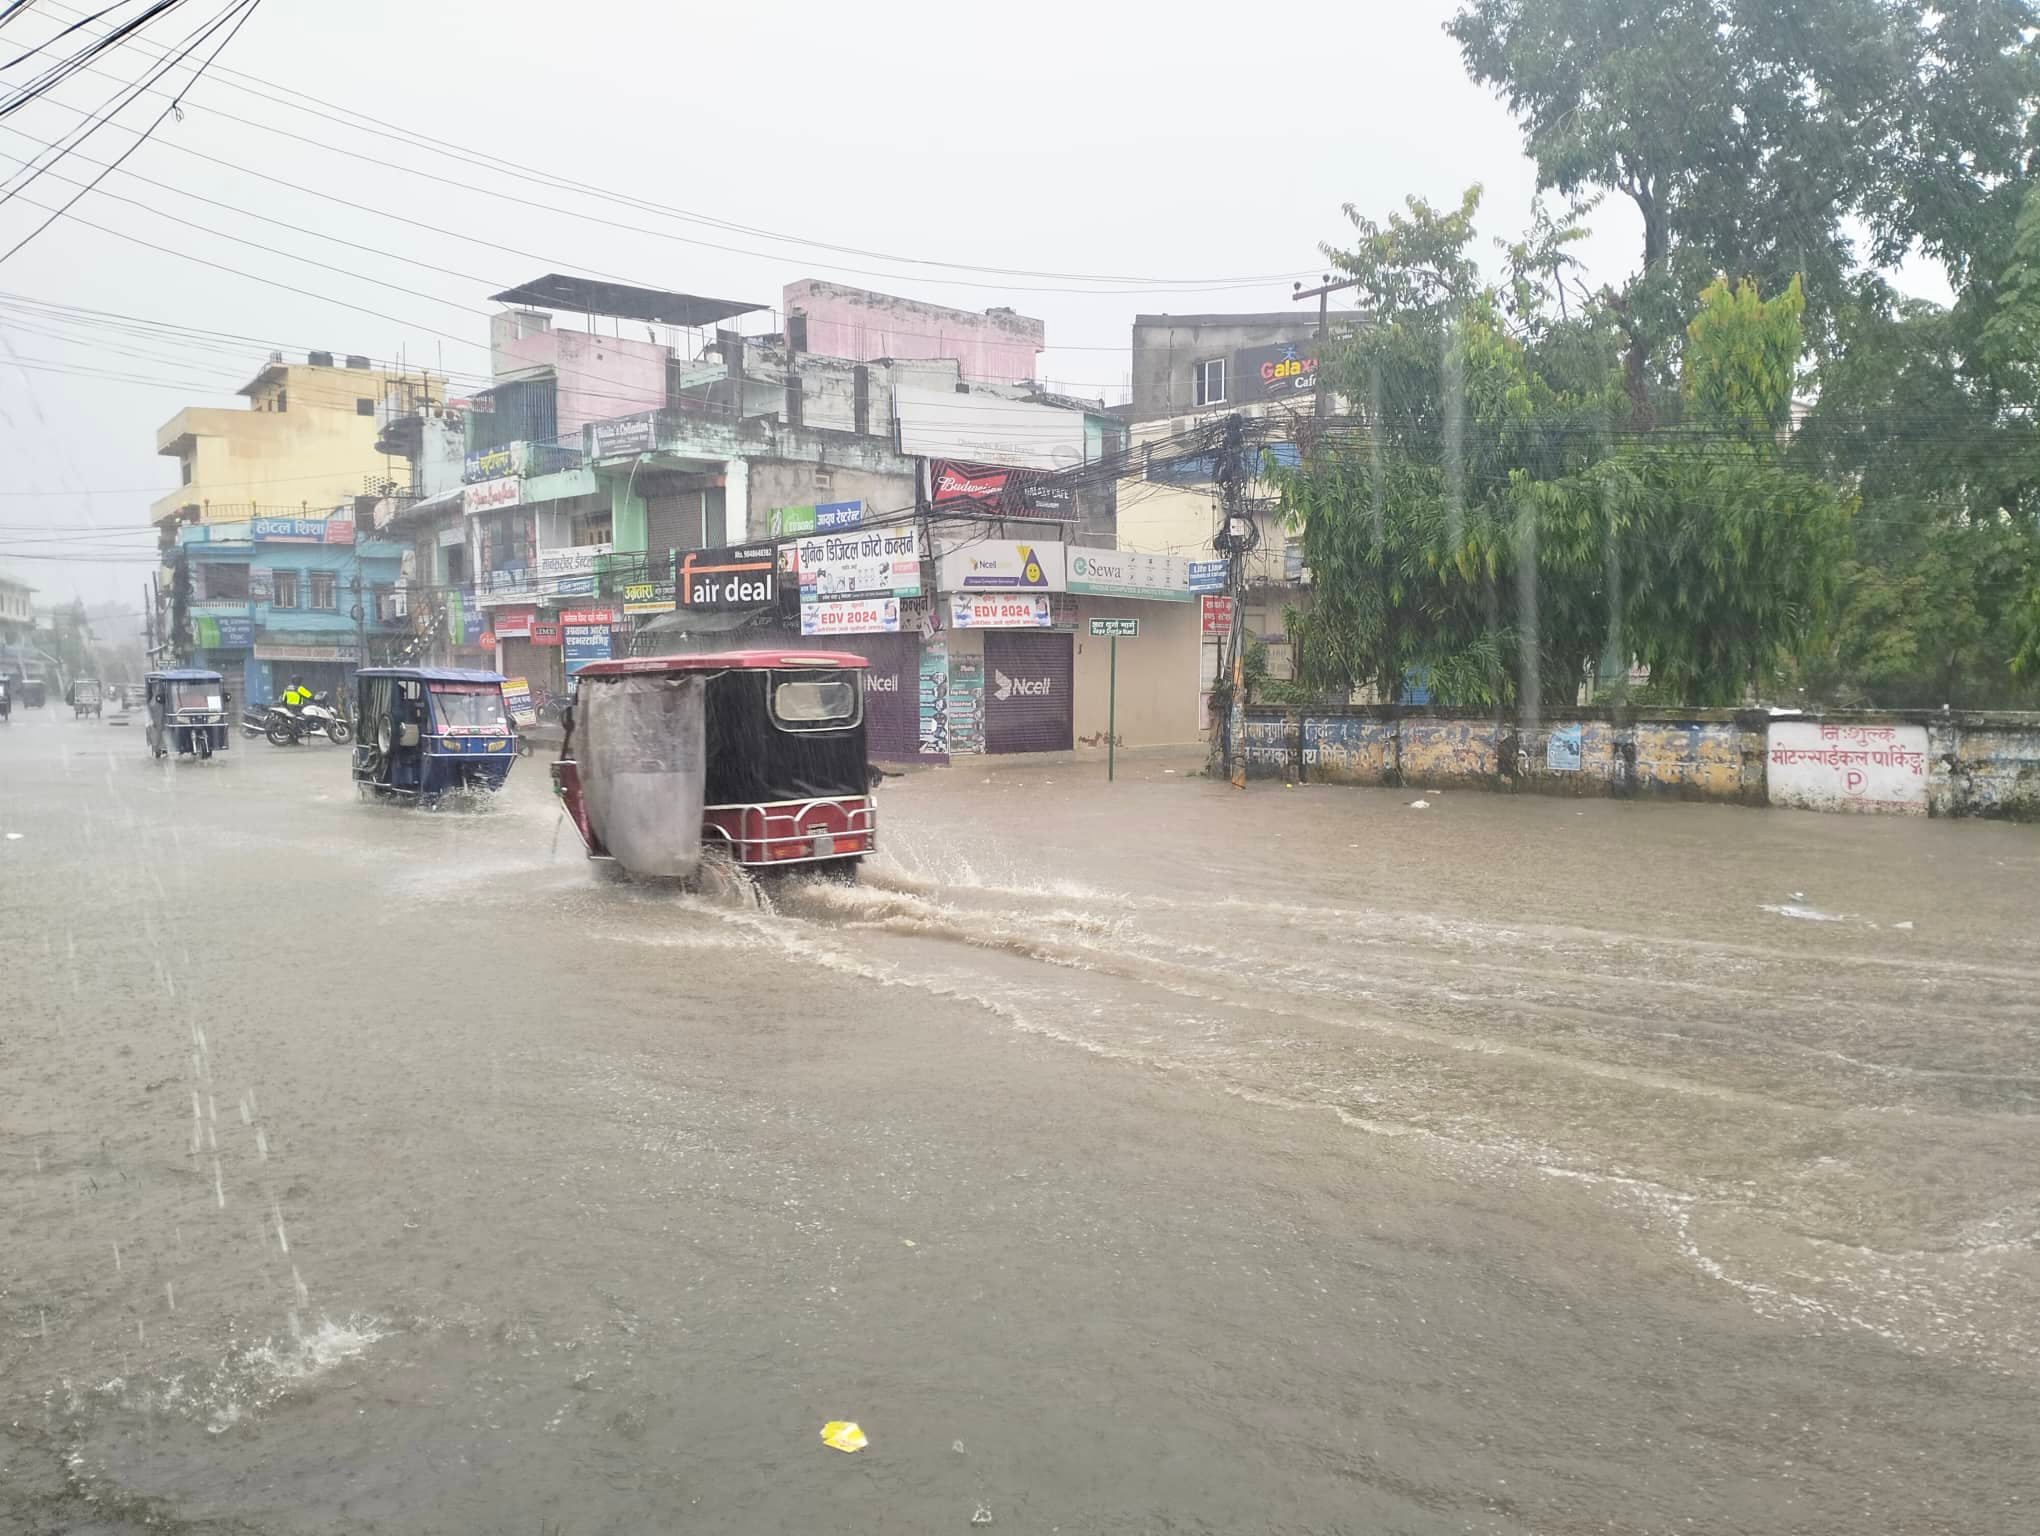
{"x": 599, "y": 377}
{"x": 994, "y": 347}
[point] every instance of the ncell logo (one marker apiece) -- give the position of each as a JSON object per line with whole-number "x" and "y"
{"x": 1005, "y": 687}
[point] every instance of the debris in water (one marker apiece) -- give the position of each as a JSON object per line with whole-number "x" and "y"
{"x": 1420, "y": 805}
{"x": 14, "y": 837}
{"x": 1902, "y": 925}
{"x": 908, "y": 1241}
{"x": 843, "y": 1435}
{"x": 1793, "y": 909}
{"x": 957, "y": 1446}
{"x": 982, "y": 1515}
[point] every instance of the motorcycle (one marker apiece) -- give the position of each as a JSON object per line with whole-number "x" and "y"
{"x": 288, "y": 728}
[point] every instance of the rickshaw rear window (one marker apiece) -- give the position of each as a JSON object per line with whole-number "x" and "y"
{"x": 196, "y": 696}
{"x": 827, "y": 698}
{"x": 476, "y": 708}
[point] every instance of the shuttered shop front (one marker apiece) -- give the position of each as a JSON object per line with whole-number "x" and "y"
{"x": 1028, "y": 676}
{"x": 892, "y": 693}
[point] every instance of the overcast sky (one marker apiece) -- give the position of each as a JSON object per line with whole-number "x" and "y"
{"x": 1191, "y": 143}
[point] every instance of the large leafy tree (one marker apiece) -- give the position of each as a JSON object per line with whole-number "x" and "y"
{"x": 1492, "y": 526}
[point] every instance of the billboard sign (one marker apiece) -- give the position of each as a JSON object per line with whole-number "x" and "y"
{"x": 493, "y": 463}
{"x": 859, "y": 616}
{"x": 728, "y": 579}
{"x": 986, "y": 429}
{"x": 223, "y": 634}
{"x": 1207, "y": 575}
{"x": 1000, "y": 564}
{"x": 995, "y": 488}
{"x": 998, "y": 610}
{"x": 876, "y": 562}
{"x": 1217, "y": 613}
{"x": 1123, "y": 573}
{"x": 568, "y": 560}
{"x": 513, "y": 623}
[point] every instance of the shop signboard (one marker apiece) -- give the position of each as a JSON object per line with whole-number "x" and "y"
{"x": 517, "y": 700}
{"x": 224, "y": 633}
{"x": 493, "y": 463}
{"x": 1217, "y": 613}
{"x": 626, "y": 434}
{"x": 1123, "y": 573}
{"x": 653, "y": 596}
{"x": 859, "y": 616}
{"x": 997, "y": 564}
{"x": 514, "y": 623}
{"x": 1207, "y": 575}
{"x": 489, "y": 495}
{"x": 874, "y": 562}
{"x": 301, "y": 530}
{"x": 1270, "y": 373}
{"x": 591, "y": 618}
{"x": 999, "y": 610}
{"x": 573, "y": 586}
{"x": 584, "y": 643}
{"x": 729, "y": 579}
{"x": 569, "y": 560}
{"x": 544, "y": 632}
{"x": 1115, "y": 629}
{"x": 837, "y": 516}
{"x": 792, "y": 522}
{"x": 268, "y": 652}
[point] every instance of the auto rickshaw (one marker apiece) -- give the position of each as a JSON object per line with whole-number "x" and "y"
{"x": 85, "y": 695}
{"x": 424, "y": 732}
{"x": 6, "y": 702}
{"x": 187, "y": 712}
{"x": 34, "y": 692}
{"x": 758, "y": 754}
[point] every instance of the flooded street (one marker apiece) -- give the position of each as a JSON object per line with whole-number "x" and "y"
{"x": 1144, "y": 1157}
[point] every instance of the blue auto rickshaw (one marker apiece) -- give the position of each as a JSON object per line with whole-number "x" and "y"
{"x": 424, "y": 732}
{"x": 187, "y": 712}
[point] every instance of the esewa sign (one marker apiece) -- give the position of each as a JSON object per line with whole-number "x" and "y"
{"x": 876, "y": 562}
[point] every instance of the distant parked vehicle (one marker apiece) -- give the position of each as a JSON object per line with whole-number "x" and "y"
{"x": 85, "y": 696}
{"x": 34, "y": 692}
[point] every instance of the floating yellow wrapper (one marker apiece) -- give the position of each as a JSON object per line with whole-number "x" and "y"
{"x": 842, "y": 1435}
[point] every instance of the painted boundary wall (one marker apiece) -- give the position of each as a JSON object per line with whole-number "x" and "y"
{"x": 1901, "y": 762}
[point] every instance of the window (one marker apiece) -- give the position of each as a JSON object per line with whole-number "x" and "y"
{"x": 324, "y": 594}
{"x": 825, "y": 482}
{"x": 813, "y": 700}
{"x": 184, "y": 468}
{"x": 364, "y": 407}
{"x": 1207, "y": 382}
{"x": 470, "y": 711}
{"x": 224, "y": 583}
{"x": 286, "y": 590}
{"x": 283, "y": 400}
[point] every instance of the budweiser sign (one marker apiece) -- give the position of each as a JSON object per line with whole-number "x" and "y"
{"x": 999, "y": 488}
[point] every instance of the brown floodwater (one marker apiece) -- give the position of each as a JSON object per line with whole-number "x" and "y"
{"x": 1143, "y": 1157}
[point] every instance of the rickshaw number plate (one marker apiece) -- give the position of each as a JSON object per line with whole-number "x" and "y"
{"x": 824, "y": 845}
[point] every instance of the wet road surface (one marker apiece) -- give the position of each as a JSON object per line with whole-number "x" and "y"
{"x": 1143, "y": 1158}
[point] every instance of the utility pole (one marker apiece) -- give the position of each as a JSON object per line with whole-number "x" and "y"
{"x": 1323, "y": 293}
{"x": 360, "y": 625}
{"x": 1235, "y": 536}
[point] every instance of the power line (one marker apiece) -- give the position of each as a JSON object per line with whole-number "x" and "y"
{"x": 481, "y": 159}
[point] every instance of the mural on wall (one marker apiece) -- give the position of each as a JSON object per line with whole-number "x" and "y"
{"x": 1875, "y": 768}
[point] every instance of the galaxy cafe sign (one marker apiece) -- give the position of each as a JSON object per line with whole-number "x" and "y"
{"x": 1284, "y": 369}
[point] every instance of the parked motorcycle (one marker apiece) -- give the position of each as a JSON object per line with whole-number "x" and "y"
{"x": 290, "y": 728}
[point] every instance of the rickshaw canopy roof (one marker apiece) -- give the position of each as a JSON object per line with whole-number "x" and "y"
{"x": 723, "y": 661}
{"x": 185, "y": 675}
{"x": 432, "y": 674}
